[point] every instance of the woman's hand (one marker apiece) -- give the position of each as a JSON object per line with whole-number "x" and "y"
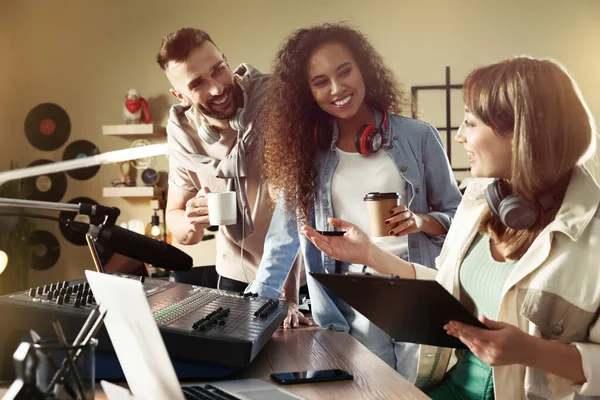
{"x": 295, "y": 318}
{"x": 500, "y": 344}
{"x": 408, "y": 221}
{"x": 354, "y": 247}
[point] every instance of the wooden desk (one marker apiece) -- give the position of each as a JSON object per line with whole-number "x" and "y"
{"x": 316, "y": 348}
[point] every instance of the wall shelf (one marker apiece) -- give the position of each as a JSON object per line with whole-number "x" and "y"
{"x": 131, "y": 191}
{"x": 133, "y": 129}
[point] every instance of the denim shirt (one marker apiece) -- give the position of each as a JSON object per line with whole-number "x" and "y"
{"x": 417, "y": 151}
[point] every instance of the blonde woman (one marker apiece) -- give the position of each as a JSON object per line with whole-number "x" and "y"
{"x": 523, "y": 252}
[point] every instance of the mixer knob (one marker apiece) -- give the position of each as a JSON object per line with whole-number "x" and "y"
{"x": 65, "y": 283}
{"x": 90, "y": 299}
{"x": 142, "y": 279}
{"x": 83, "y": 301}
{"x": 86, "y": 285}
{"x": 31, "y": 292}
{"x": 40, "y": 290}
{"x": 76, "y": 305}
{"x": 59, "y": 300}
{"x": 49, "y": 295}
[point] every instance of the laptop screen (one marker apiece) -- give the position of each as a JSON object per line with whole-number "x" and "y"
{"x": 135, "y": 337}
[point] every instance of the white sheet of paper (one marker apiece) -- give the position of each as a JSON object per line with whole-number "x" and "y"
{"x": 115, "y": 392}
{"x": 135, "y": 337}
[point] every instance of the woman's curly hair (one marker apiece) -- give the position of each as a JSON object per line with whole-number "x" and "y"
{"x": 289, "y": 113}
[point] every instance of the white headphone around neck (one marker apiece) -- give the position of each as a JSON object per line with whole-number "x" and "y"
{"x": 209, "y": 135}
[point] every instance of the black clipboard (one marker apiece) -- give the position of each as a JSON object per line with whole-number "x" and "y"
{"x": 409, "y": 310}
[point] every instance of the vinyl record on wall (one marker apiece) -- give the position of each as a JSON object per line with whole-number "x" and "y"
{"x": 69, "y": 234}
{"x": 50, "y": 187}
{"x": 47, "y": 126}
{"x": 45, "y": 250}
{"x": 80, "y": 149}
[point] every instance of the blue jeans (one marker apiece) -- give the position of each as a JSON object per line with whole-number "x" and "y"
{"x": 403, "y": 357}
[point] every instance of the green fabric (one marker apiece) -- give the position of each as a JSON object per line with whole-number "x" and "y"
{"x": 470, "y": 379}
{"x": 482, "y": 277}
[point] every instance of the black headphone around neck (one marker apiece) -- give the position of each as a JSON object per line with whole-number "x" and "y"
{"x": 514, "y": 211}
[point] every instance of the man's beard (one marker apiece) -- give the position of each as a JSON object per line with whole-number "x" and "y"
{"x": 208, "y": 111}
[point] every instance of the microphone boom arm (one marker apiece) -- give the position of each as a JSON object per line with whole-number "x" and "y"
{"x": 103, "y": 158}
{"x": 111, "y": 213}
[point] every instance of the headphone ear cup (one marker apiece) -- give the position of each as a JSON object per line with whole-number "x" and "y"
{"x": 322, "y": 135}
{"x": 204, "y": 130}
{"x": 495, "y": 194}
{"x": 207, "y": 134}
{"x": 517, "y": 213}
{"x": 237, "y": 120}
{"x": 368, "y": 140}
{"x": 492, "y": 196}
{"x": 502, "y": 190}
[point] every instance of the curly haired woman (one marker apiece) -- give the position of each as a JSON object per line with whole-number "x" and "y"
{"x": 331, "y": 135}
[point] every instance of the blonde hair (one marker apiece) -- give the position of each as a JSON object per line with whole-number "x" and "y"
{"x": 553, "y": 130}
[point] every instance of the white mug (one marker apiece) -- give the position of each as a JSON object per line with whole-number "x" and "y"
{"x": 222, "y": 208}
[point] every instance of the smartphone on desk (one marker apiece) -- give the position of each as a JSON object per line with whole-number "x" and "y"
{"x": 287, "y": 378}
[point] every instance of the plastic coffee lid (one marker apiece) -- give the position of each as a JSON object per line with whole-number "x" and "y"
{"x": 380, "y": 196}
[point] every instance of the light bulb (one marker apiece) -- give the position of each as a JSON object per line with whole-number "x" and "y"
{"x": 155, "y": 230}
{"x": 3, "y": 261}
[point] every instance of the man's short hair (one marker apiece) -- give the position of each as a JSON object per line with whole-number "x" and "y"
{"x": 176, "y": 46}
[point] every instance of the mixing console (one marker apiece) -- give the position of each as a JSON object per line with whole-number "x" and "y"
{"x": 196, "y": 323}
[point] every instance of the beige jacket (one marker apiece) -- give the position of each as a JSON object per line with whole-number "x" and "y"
{"x": 553, "y": 291}
{"x": 194, "y": 164}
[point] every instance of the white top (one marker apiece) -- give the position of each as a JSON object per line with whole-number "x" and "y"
{"x": 357, "y": 175}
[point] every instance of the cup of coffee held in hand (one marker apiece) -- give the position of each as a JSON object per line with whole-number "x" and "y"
{"x": 222, "y": 208}
{"x": 378, "y": 206}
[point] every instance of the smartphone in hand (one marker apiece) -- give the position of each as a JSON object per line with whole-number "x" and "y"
{"x": 332, "y": 233}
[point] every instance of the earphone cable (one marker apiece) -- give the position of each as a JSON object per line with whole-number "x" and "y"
{"x": 237, "y": 174}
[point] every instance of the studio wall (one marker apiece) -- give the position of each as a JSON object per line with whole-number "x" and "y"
{"x": 85, "y": 55}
